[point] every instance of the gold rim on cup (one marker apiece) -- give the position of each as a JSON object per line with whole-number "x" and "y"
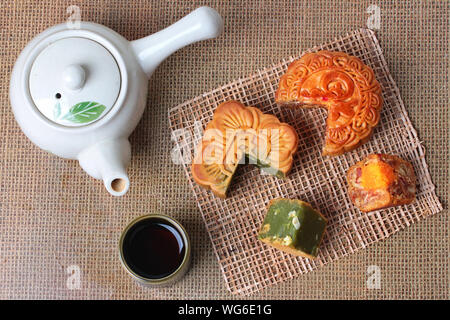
{"x": 174, "y": 276}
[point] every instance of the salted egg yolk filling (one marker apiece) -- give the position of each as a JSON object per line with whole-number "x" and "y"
{"x": 378, "y": 175}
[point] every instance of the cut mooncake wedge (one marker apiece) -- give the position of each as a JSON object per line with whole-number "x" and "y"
{"x": 380, "y": 181}
{"x": 236, "y": 133}
{"x": 342, "y": 84}
{"x": 293, "y": 226}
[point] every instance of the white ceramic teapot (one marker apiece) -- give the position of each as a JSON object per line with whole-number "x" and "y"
{"x": 79, "y": 93}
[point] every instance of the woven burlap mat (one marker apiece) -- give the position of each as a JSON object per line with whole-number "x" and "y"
{"x": 55, "y": 219}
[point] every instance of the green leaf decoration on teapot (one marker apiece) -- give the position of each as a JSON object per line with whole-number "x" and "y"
{"x": 82, "y": 112}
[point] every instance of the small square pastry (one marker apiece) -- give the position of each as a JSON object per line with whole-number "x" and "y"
{"x": 293, "y": 226}
{"x": 381, "y": 181}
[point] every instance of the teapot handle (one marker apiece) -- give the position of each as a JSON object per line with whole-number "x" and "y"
{"x": 201, "y": 24}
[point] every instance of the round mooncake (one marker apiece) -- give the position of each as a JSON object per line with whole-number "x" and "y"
{"x": 342, "y": 84}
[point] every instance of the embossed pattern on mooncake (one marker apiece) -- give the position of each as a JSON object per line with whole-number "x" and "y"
{"x": 236, "y": 132}
{"x": 345, "y": 86}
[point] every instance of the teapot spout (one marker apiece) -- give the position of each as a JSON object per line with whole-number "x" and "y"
{"x": 201, "y": 24}
{"x": 107, "y": 160}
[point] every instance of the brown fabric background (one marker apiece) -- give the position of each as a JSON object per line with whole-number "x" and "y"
{"x": 52, "y": 215}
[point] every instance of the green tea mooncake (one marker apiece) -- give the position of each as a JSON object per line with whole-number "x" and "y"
{"x": 293, "y": 226}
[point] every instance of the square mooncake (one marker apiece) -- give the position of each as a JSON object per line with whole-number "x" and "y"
{"x": 293, "y": 226}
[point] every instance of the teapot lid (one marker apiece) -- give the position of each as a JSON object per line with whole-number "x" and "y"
{"x": 74, "y": 81}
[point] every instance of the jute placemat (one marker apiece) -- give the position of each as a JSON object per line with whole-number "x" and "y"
{"x": 247, "y": 264}
{"x": 53, "y": 217}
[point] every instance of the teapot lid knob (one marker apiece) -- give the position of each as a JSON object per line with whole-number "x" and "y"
{"x": 74, "y": 77}
{"x": 74, "y": 81}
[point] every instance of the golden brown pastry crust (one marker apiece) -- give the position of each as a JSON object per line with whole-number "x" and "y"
{"x": 234, "y": 131}
{"x": 345, "y": 86}
{"x": 401, "y": 190}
